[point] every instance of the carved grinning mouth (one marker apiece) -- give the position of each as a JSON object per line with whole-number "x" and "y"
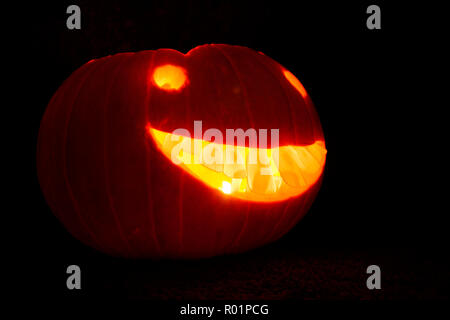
{"x": 285, "y": 172}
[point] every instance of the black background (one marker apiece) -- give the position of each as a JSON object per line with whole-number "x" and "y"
{"x": 369, "y": 92}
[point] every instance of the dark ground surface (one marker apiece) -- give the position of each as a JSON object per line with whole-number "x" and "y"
{"x": 274, "y": 272}
{"x": 306, "y": 274}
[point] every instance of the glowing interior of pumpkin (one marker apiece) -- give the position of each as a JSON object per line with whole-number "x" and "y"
{"x": 295, "y": 82}
{"x": 169, "y": 77}
{"x": 268, "y": 180}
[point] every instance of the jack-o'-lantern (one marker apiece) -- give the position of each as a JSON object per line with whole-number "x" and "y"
{"x": 123, "y": 143}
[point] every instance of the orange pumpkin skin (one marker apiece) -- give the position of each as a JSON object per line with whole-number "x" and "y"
{"x": 112, "y": 188}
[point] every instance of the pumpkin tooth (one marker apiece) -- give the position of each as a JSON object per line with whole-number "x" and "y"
{"x": 235, "y": 185}
{"x": 316, "y": 151}
{"x": 277, "y": 183}
{"x": 234, "y": 162}
{"x": 290, "y": 167}
{"x": 260, "y": 175}
{"x": 213, "y": 157}
{"x": 309, "y": 164}
{"x": 258, "y": 182}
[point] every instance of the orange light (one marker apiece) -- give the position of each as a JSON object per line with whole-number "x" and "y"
{"x": 295, "y": 82}
{"x": 297, "y": 169}
{"x": 169, "y": 77}
{"x": 226, "y": 187}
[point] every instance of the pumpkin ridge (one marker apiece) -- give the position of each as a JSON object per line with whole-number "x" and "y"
{"x": 247, "y": 108}
{"x": 148, "y": 162}
{"x": 236, "y": 72}
{"x": 112, "y": 81}
{"x": 235, "y": 242}
{"x": 277, "y": 224}
{"x": 283, "y": 91}
{"x": 64, "y": 155}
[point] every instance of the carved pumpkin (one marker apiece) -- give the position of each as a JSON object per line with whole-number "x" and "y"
{"x": 105, "y": 155}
